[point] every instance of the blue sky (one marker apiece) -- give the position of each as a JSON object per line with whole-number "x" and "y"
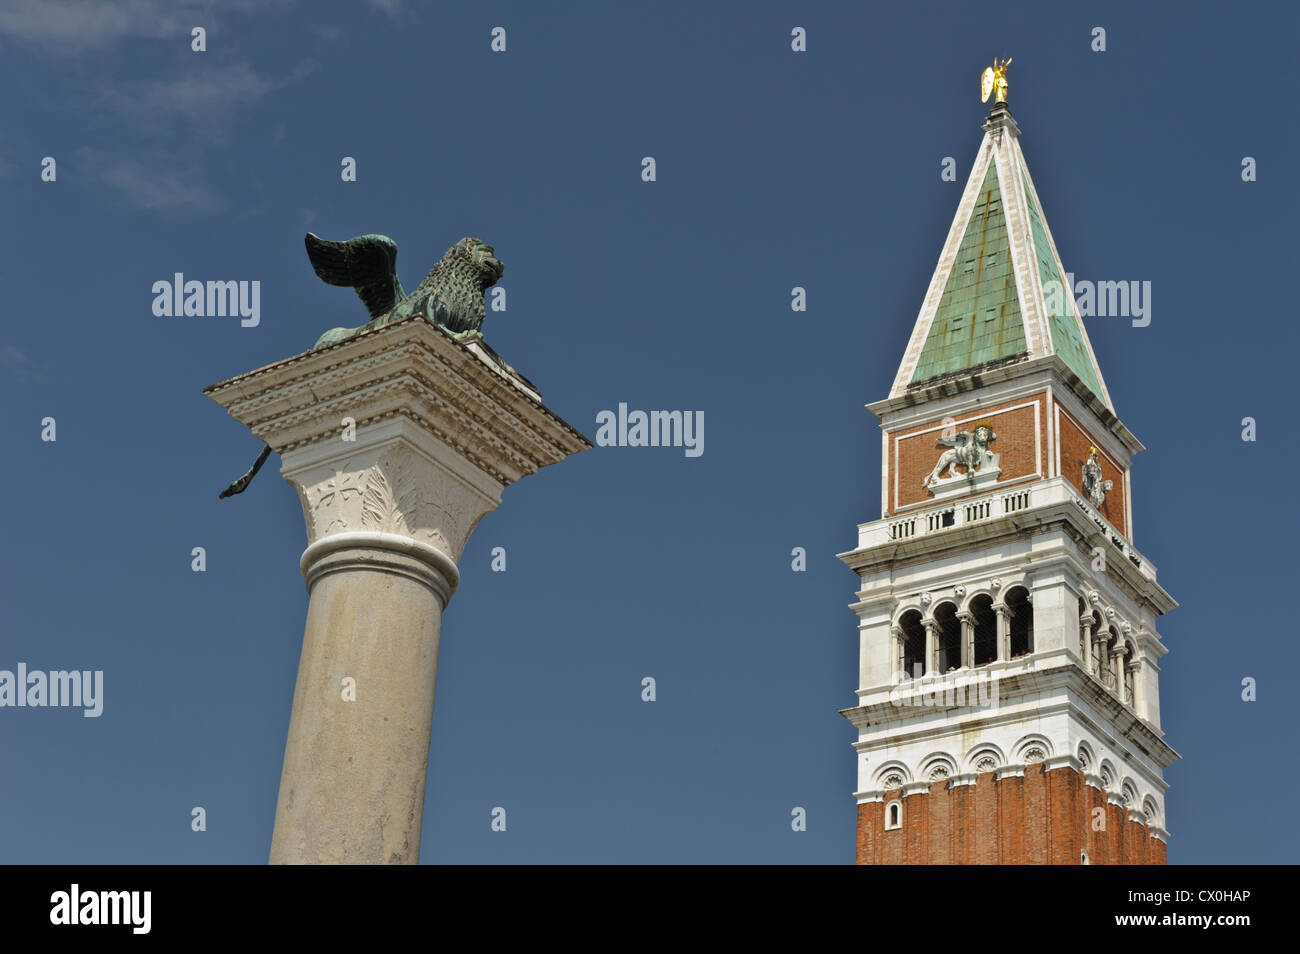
{"x": 774, "y": 170}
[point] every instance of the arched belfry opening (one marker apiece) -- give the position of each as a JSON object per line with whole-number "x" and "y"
{"x": 985, "y": 644}
{"x": 1098, "y": 631}
{"x": 913, "y": 644}
{"x": 1022, "y": 622}
{"x": 1107, "y": 664}
{"x": 949, "y": 638}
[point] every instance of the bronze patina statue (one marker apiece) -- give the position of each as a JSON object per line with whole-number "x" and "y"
{"x": 450, "y": 296}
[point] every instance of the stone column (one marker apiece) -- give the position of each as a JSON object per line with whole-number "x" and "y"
{"x": 1004, "y": 630}
{"x": 397, "y": 442}
{"x": 1126, "y": 664}
{"x": 1085, "y": 637}
{"x": 931, "y": 646}
{"x": 967, "y": 620}
{"x": 1116, "y": 681}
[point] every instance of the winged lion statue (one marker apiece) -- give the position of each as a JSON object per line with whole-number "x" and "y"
{"x": 451, "y": 294}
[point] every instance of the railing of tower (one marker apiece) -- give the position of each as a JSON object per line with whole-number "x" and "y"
{"x": 951, "y": 514}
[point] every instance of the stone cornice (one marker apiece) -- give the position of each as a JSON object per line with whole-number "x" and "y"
{"x": 1011, "y": 686}
{"x": 1053, "y": 762}
{"x": 1062, "y": 507}
{"x": 457, "y": 389}
{"x": 890, "y": 408}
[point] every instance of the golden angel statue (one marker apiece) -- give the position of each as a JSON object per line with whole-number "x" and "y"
{"x": 994, "y": 81}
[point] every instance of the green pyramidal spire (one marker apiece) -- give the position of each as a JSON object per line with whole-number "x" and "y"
{"x": 998, "y": 294}
{"x": 978, "y": 318}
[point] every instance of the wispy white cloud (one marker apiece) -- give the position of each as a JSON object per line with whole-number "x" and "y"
{"x": 207, "y": 99}
{"x": 19, "y": 366}
{"x": 154, "y": 186}
{"x": 163, "y": 171}
{"x": 224, "y": 86}
{"x": 199, "y": 93}
{"x": 76, "y": 25}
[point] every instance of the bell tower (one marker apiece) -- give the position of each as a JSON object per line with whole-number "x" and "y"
{"x": 1008, "y": 706}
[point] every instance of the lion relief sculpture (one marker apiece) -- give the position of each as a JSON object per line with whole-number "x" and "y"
{"x": 969, "y": 449}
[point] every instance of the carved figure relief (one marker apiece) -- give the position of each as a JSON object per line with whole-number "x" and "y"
{"x": 1094, "y": 488}
{"x": 969, "y": 449}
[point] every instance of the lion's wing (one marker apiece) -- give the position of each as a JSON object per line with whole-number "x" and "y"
{"x": 367, "y": 263}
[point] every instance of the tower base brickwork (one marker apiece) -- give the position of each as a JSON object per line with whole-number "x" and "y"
{"x": 1040, "y": 817}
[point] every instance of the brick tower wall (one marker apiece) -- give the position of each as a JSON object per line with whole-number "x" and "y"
{"x": 913, "y": 451}
{"x": 1042, "y": 818}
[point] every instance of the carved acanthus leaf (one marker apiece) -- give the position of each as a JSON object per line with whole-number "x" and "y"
{"x": 401, "y": 493}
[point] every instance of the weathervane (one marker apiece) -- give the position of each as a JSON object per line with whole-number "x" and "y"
{"x": 995, "y": 78}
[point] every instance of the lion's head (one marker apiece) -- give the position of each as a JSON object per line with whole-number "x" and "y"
{"x": 480, "y": 255}
{"x": 452, "y": 293}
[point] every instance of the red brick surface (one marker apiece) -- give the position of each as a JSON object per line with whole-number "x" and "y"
{"x": 917, "y": 452}
{"x": 1043, "y": 818}
{"x": 1075, "y": 445}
